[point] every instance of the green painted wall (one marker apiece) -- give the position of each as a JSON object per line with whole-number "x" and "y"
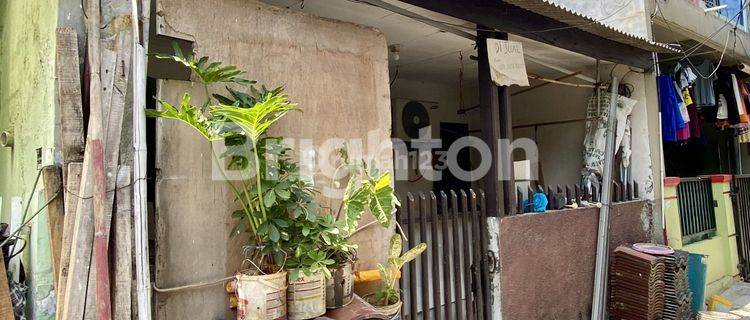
{"x": 721, "y": 250}
{"x": 27, "y": 109}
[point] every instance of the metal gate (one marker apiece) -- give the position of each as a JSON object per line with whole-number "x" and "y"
{"x": 741, "y": 204}
{"x": 450, "y": 280}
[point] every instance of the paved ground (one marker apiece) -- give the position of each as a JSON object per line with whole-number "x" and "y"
{"x": 739, "y": 295}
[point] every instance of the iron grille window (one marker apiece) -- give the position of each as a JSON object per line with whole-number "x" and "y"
{"x": 696, "y": 204}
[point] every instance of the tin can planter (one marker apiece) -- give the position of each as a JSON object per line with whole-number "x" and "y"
{"x": 306, "y": 297}
{"x": 393, "y": 311}
{"x": 340, "y": 287}
{"x": 261, "y": 297}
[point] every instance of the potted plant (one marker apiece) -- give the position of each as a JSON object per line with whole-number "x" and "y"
{"x": 367, "y": 189}
{"x": 271, "y": 192}
{"x": 388, "y": 297}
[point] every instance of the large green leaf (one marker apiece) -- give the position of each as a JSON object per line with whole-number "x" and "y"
{"x": 190, "y": 115}
{"x": 395, "y": 247}
{"x": 256, "y": 120}
{"x": 207, "y": 72}
{"x": 381, "y": 204}
{"x": 413, "y": 253}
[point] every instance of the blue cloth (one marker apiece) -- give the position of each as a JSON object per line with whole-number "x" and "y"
{"x": 540, "y": 202}
{"x": 669, "y": 102}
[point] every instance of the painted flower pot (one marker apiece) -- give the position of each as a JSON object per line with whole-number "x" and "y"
{"x": 393, "y": 311}
{"x": 340, "y": 287}
{"x": 306, "y": 297}
{"x": 261, "y": 297}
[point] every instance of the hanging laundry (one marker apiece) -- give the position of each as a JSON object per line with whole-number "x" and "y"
{"x": 685, "y": 76}
{"x": 669, "y": 104}
{"x": 741, "y": 106}
{"x": 683, "y": 105}
{"x": 696, "y": 122}
{"x": 722, "y": 114}
{"x": 724, "y": 85}
{"x": 704, "y": 84}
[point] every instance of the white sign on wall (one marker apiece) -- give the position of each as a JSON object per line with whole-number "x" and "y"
{"x": 506, "y": 62}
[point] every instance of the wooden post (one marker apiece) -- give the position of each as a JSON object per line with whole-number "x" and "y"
{"x": 55, "y": 214}
{"x": 6, "y": 306}
{"x": 489, "y": 113}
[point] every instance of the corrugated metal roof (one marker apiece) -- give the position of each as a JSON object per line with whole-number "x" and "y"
{"x": 589, "y": 24}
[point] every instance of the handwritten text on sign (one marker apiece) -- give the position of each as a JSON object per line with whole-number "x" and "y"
{"x": 506, "y": 62}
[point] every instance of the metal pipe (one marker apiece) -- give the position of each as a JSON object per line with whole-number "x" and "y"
{"x": 599, "y": 303}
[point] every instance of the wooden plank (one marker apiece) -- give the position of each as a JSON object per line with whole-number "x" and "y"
{"x": 101, "y": 258}
{"x": 69, "y": 99}
{"x": 508, "y": 18}
{"x": 115, "y": 70}
{"x": 123, "y": 243}
{"x": 52, "y": 179}
{"x": 477, "y": 261}
{"x": 80, "y": 259}
{"x": 73, "y": 184}
{"x": 6, "y": 306}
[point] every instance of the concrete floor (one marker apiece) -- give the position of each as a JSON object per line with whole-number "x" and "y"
{"x": 739, "y": 295}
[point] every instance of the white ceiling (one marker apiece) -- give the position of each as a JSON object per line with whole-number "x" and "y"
{"x": 428, "y": 53}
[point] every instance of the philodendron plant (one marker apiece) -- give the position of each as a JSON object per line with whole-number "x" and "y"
{"x": 367, "y": 189}
{"x": 388, "y": 293}
{"x": 271, "y": 193}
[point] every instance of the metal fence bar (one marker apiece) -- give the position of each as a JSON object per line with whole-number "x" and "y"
{"x": 447, "y": 248}
{"x": 436, "y": 257}
{"x": 423, "y": 258}
{"x": 741, "y": 203}
{"x": 696, "y": 204}
{"x": 412, "y": 226}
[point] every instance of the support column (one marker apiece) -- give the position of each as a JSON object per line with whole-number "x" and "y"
{"x": 489, "y": 113}
{"x": 506, "y": 149}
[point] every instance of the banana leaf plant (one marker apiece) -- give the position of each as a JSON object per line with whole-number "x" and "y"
{"x": 388, "y": 293}
{"x": 272, "y": 192}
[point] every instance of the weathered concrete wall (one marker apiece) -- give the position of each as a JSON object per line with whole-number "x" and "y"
{"x": 547, "y": 260}
{"x": 27, "y": 110}
{"x": 338, "y": 74}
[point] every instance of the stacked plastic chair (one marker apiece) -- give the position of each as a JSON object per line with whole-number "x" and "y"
{"x": 637, "y": 285}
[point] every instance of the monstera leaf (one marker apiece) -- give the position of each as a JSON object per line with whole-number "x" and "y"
{"x": 190, "y": 115}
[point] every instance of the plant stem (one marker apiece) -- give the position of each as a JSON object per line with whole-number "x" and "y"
{"x": 237, "y": 194}
{"x": 258, "y": 181}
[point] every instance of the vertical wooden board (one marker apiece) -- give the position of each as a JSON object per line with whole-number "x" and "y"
{"x": 122, "y": 240}
{"x": 55, "y": 214}
{"x": 6, "y": 307}
{"x": 69, "y": 98}
{"x": 73, "y": 184}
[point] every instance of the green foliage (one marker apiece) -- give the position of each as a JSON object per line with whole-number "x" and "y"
{"x": 207, "y": 72}
{"x": 388, "y": 293}
{"x": 189, "y": 114}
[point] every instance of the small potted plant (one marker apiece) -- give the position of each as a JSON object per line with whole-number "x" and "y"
{"x": 388, "y": 297}
{"x": 367, "y": 189}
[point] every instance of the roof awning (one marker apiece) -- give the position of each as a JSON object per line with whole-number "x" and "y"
{"x": 589, "y": 24}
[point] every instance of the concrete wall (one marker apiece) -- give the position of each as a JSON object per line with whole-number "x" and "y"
{"x": 547, "y": 260}
{"x": 338, "y": 74}
{"x": 27, "y": 110}
{"x": 721, "y": 250}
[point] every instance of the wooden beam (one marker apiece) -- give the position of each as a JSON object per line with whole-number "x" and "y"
{"x": 494, "y": 14}
{"x": 73, "y": 184}
{"x": 122, "y": 288}
{"x": 69, "y": 97}
{"x": 489, "y": 113}
{"x": 6, "y": 306}
{"x": 53, "y": 193}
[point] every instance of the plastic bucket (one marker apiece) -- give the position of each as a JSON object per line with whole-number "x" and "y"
{"x": 261, "y": 297}
{"x": 306, "y": 297}
{"x": 339, "y": 288}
